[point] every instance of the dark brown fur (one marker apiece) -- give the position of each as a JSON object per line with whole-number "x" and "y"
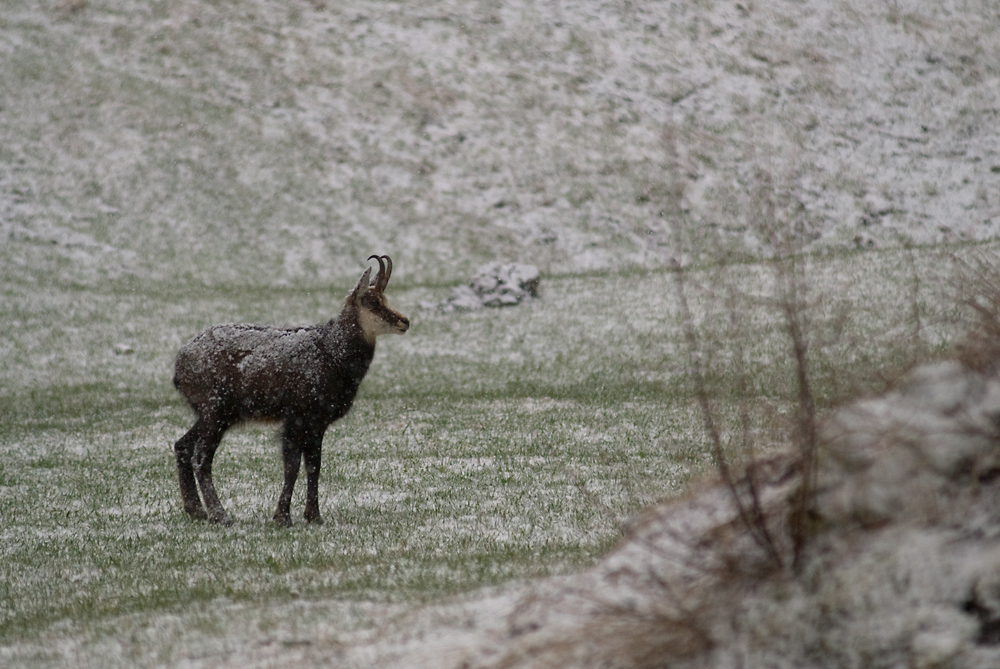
{"x": 304, "y": 378}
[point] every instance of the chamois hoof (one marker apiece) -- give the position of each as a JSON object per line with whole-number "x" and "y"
{"x": 196, "y": 513}
{"x": 221, "y": 518}
{"x": 282, "y": 520}
{"x": 314, "y": 520}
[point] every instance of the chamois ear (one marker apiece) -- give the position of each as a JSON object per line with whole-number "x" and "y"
{"x": 362, "y": 284}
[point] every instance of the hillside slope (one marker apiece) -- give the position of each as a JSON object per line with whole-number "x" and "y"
{"x": 188, "y": 141}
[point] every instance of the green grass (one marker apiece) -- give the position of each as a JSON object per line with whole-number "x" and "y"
{"x": 169, "y": 165}
{"x": 455, "y": 470}
{"x": 484, "y": 447}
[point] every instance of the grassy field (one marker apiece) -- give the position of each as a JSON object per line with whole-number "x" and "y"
{"x": 484, "y": 447}
{"x": 170, "y": 164}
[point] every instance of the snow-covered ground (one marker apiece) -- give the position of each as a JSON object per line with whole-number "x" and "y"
{"x": 169, "y": 164}
{"x": 188, "y": 139}
{"x": 902, "y": 569}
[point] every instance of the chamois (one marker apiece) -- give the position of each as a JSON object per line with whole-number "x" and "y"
{"x": 305, "y": 378}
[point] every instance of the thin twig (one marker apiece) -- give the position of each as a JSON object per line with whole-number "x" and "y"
{"x": 752, "y": 518}
{"x": 805, "y": 410}
{"x": 746, "y": 434}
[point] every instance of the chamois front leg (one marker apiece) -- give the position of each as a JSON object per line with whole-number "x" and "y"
{"x": 299, "y": 443}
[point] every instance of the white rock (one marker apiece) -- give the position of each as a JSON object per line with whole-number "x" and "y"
{"x": 494, "y": 285}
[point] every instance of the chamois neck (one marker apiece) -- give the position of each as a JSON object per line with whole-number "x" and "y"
{"x": 347, "y": 328}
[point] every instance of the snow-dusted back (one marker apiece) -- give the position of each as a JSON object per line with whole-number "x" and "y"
{"x": 253, "y": 362}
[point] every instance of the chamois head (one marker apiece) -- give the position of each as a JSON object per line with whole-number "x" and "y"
{"x": 375, "y": 316}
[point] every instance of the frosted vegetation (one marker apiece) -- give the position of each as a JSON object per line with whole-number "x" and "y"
{"x": 169, "y": 165}
{"x": 484, "y": 446}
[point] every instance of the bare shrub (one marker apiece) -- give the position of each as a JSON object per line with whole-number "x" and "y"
{"x": 747, "y": 505}
{"x": 977, "y": 287}
{"x": 811, "y": 375}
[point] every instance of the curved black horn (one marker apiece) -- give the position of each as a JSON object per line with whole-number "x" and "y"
{"x": 379, "y": 282}
{"x": 388, "y": 272}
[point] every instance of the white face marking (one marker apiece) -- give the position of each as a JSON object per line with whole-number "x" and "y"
{"x": 372, "y": 326}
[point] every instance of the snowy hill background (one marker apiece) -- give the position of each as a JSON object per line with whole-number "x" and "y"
{"x": 188, "y": 140}
{"x": 168, "y": 164}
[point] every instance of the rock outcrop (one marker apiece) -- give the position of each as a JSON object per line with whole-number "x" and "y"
{"x": 901, "y": 568}
{"x": 494, "y": 285}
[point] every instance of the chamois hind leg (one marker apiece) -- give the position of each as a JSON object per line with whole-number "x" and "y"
{"x": 291, "y": 456}
{"x": 204, "y": 453}
{"x": 183, "y": 450}
{"x": 312, "y": 457}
